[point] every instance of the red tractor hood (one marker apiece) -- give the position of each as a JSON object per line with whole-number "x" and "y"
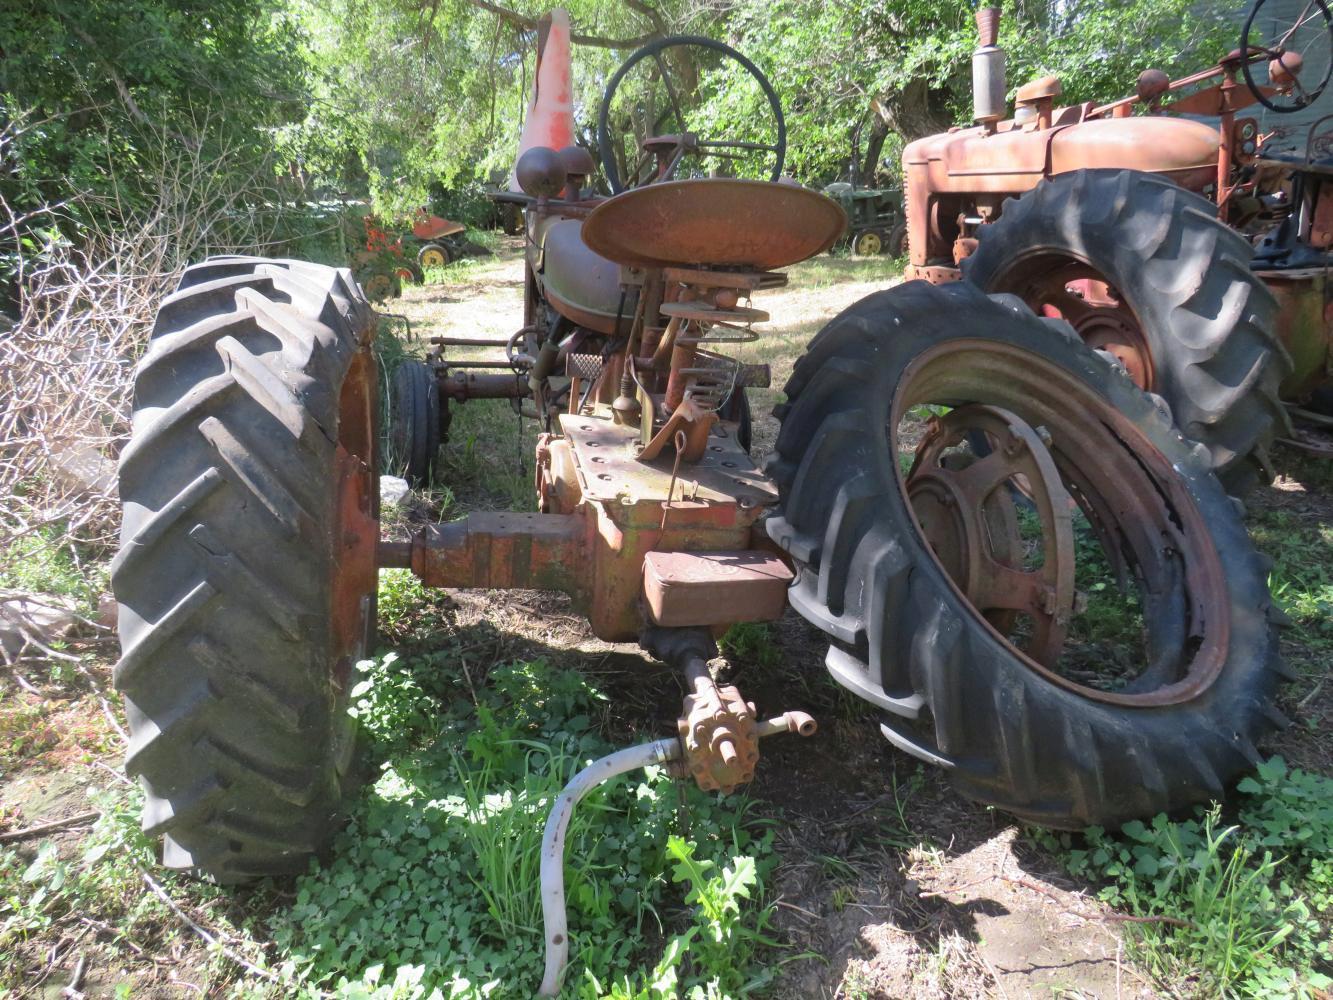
{"x": 1013, "y": 159}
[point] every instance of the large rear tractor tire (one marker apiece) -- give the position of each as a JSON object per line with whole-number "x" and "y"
{"x": 924, "y": 597}
{"x": 246, "y": 575}
{"x": 1146, "y": 271}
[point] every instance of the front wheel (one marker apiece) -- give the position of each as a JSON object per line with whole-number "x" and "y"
{"x": 969, "y": 594}
{"x": 868, "y": 243}
{"x": 898, "y": 240}
{"x": 246, "y": 575}
{"x": 433, "y": 256}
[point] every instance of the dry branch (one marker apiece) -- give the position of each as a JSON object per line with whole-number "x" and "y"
{"x": 60, "y": 824}
{"x": 85, "y": 311}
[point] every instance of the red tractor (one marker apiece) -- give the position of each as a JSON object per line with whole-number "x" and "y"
{"x": 389, "y": 260}
{"x": 1165, "y": 227}
{"x": 947, "y": 463}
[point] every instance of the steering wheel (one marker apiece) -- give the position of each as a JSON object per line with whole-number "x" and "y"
{"x": 684, "y": 141}
{"x": 1288, "y": 50}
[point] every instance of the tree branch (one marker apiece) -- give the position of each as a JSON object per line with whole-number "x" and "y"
{"x": 597, "y": 41}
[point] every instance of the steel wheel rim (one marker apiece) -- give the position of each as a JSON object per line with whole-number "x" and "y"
{"x": 868, "y": 245}
{"x": 1134, "y": 498}
{"x": 1041, "y": 279}
{"x": 355, "y": 575}
{"x": 432, "y": 258}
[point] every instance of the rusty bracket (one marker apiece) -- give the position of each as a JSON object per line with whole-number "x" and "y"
{"x": 690, "y": 418}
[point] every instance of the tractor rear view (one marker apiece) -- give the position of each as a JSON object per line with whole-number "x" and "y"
{"x": 948, "y": 469}
{"x": 1162, "y": 227}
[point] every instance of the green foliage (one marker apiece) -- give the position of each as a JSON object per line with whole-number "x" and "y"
{"x": 1301, "y": 579}
{"x": 433, "y": 885}
{"x": 751, "y": 641}
{"x": 839, "y": 67}
{"x": 106, "y": 88}
{"x": 1240, "y": 910}
{"x": 720, "y": 940}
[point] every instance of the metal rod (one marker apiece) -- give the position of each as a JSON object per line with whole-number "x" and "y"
{"x": 554, "y": 917}
{"x": 465, "y": 342}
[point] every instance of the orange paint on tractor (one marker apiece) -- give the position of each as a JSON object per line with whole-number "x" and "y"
{"x": 550, "y": 118}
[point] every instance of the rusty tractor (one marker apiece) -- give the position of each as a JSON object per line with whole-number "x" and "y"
{"x": 390, "y": 260}
{"x": 1165, "y": 227}
{"x": 947, "y": 583}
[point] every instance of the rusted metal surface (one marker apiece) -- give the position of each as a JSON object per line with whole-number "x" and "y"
{"x": 465, "y": 385}
{"x": 714, "y": 588}
{"x": 688, "y": 427}
{"x": 608, "y": 463}
{"x": 505, "y": 551}
{"x": 1304, "y": 325}
{"x": 356, "y": 513}
{"x": 955, "y": 167}
{"x": 966, "y": 511}
{"x": 1136, "y": 503}
{"x": 935, "y": 274}
{"x": 714, "y": 504}
{"x": 607, "y": 511}
{"x": 431, "y": 227}
{"x": 717, "y": 732}
{"x": 722, "y": 223}
{"x": 1054, "y": 285}
{"x": 950, "y": 173}
{"x": 700, "y": 312}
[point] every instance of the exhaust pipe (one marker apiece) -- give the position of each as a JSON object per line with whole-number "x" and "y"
{"x": 988, "y": 85}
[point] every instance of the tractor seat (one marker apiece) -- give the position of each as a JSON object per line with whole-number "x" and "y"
{"x": 1045, "y": 88}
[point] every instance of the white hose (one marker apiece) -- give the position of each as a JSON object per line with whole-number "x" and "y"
{"x": 553, "y": 845}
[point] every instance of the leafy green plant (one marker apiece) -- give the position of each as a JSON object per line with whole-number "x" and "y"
{"x": 1238, "y": 909}
{"x": 435, "y": 878}
{"x": 719, "y": 946}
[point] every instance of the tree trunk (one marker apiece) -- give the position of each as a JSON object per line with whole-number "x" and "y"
{"x": 879, "y": 131}
{"x": 915, "y": 111}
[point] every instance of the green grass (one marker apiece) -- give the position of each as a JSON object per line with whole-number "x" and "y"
{"x": 834, "y": 269}
{"x": 1301, "y": 581}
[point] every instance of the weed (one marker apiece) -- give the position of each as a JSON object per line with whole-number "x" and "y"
{"x": 44, "y": 562}
{"x": 1301, "y": 580}
{"x": 720, "y": 944}
{"x": 751, "y": 641}
{"x": 1247, "y": 906}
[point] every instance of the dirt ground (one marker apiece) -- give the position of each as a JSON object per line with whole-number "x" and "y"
{"x": 890, "y": 885}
